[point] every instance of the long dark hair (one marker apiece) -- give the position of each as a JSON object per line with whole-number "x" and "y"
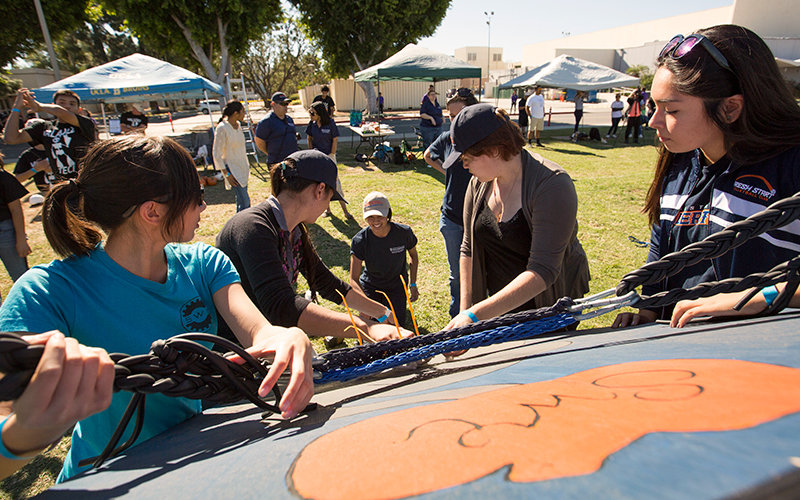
{"x": 321, "y": 111}
{"x": 283, "y": 177}
{"x": 231, "y": 108}
{"x": 769, "y": 122}
{"x": 116, "y": 176}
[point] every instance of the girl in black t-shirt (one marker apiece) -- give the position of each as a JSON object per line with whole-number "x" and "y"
{"x": 13, "y": 241}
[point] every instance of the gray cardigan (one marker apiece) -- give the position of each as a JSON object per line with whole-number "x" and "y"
{"x": 550, "y": 206}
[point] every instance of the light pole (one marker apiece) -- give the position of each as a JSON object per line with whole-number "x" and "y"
{"x": 488, "y": 47}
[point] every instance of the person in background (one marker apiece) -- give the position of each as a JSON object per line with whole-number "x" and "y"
{"x": 14, "y": 246}
{"x": 327, "y": 100}
{"x": 514, "y": 99}
{"x": 535, "y": 109}
{"x": 275, "y": 134}
{"x": 323, "y": 135}
{"x": 522, "y": 119}
{"x": 729, "y": 128}
{"x": 634, "y": 116}
{"x": 431, "y": 119}
{"x": 230, "y": 153}
{"x": 380, "y": 103}
{"x": 123, "y": 293}
{"x": 579, "y": 95}
{"x": 33, "y": 162}
{"x": 451, "y": 222}
{"x": 65, "y": 139}
{"x": 270, "y": 247}
{"x": 520, "y": 249}
{"x": 381, "y": 248}
{"x": 616, "y": 115}
{"x": 133, "y": 121}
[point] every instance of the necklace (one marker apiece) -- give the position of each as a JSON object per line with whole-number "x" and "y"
{"x": 499, "y": 200}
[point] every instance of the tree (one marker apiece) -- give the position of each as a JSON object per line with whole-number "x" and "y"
{"x": 355, "y": 34}
{"x": 643, "y": 73}
{"x": 21, "y": 32}
{"x": 210, "y": 31}
{"x": 102, "y": 38}
{"x": 281, "y": 60}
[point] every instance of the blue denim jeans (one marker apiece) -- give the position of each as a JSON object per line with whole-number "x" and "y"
{"x": 429, "y": 134}
{"x": 242, "y": 198}
{"x": 15, "y": 265}
{"x": 453, "y": 234}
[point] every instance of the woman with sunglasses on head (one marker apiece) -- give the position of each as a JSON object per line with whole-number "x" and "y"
{"x": 121, "y": 294}
{"x": 730, "y": 146}
{"x": 520, "y": 249}
{"x": 270, "y": 246}
{"x": 323, "y": 135}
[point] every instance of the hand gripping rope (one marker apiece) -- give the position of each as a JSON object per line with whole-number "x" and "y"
{"x": 181, "y": 367}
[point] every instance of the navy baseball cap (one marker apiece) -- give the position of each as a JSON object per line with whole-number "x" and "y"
{"x": 316, "y": 166}
{"x": 471, "y": 125}
{"x": 280, "y": 98}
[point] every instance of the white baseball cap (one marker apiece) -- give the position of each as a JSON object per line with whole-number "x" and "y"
{"x": 376, "y": 203}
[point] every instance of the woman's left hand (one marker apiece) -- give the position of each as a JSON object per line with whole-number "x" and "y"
{"x": 413, "y": 294}
{"x": 291, "y": 349}
{"x": 718, "y": 305}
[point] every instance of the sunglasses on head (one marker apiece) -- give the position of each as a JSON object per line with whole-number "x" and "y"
{"x": 679, "y": 46}
{"x": 462, "y": 92}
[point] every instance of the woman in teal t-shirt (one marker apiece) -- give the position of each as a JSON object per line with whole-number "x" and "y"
{"x": 123, "y": 293}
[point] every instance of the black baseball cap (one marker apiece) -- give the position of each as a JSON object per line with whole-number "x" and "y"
{"x": 316, "y": 166}
{"x": 471, "y": 125}
{"x": 280, "y": 98}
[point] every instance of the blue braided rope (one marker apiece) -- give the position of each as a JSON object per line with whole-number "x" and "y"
{"x": 483, "y": 338}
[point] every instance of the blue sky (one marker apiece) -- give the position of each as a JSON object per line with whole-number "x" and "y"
{"x": 517, "y": 23}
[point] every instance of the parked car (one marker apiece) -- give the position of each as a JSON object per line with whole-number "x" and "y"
{"x": 212, "y": 104}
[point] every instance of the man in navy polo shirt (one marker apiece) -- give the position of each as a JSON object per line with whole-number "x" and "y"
{"x": 275, "y": 134}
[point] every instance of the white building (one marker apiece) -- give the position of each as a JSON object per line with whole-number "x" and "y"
{"x": 776, "y": 21}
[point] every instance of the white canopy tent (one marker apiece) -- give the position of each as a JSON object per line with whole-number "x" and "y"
{"x": 567, "y": 72}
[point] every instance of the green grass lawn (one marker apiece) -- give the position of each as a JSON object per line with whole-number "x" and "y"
{"x": 611, "y": 181}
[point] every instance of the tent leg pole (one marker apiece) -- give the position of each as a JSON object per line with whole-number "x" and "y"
{"x": 105, "y": 123}
{"x": 210, "y": 114}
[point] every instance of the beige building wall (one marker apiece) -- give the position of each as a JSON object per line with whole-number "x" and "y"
{"x": 632, "y": 35}
{"x": 768, "y": 18}
{"x": 477, "y": 56}
{"x": 33, "y": 78}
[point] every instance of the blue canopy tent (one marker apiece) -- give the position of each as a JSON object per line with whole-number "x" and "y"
{"x": 136, "y": 77}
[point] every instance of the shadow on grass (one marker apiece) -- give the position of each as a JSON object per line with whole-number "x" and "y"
{"x": 332, "y": 251}
{"x": 22, "y": 484}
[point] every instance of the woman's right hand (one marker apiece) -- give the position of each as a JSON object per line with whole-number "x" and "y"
{"x": 383, "y": 331}
{"x": 627, "y": 319}
{"x": 71, "y": 382}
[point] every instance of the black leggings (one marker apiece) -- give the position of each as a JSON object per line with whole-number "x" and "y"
{"x": 396, "y": 295}
{"x": 614, "y": 126}
{"x": 578, "y": 116}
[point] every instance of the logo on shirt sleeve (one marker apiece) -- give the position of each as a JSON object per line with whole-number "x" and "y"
{"x": 195, "y": 316}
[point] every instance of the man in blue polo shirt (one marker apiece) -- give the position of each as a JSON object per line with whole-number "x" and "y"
{"x": 275, "y": 134}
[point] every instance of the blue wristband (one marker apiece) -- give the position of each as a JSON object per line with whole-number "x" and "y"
{"x": 770, "y": 293}
{"x": 384, "y": 317}
{"x": 15, "y": 109}
{"x": 414, "y": 285}
{"x": 470, "y": 315}
{"x": 5, "y": 451}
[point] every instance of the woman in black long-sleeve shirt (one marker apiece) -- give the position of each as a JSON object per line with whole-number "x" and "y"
{"x": 270, "y": 247}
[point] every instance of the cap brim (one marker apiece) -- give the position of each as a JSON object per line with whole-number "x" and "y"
{"x": 337, "y": 195}
{"x": 451, "y": 159}
{"x": 370, "y": 213}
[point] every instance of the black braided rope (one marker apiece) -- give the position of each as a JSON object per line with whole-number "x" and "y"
{"x": 776, "y": 215}
{"x": 367, "y": 353}
{"x": 177, "y": 367}
{"x": 781, "y": 273}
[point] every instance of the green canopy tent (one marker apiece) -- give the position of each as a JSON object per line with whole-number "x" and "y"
{"x": 414, "y": 63}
